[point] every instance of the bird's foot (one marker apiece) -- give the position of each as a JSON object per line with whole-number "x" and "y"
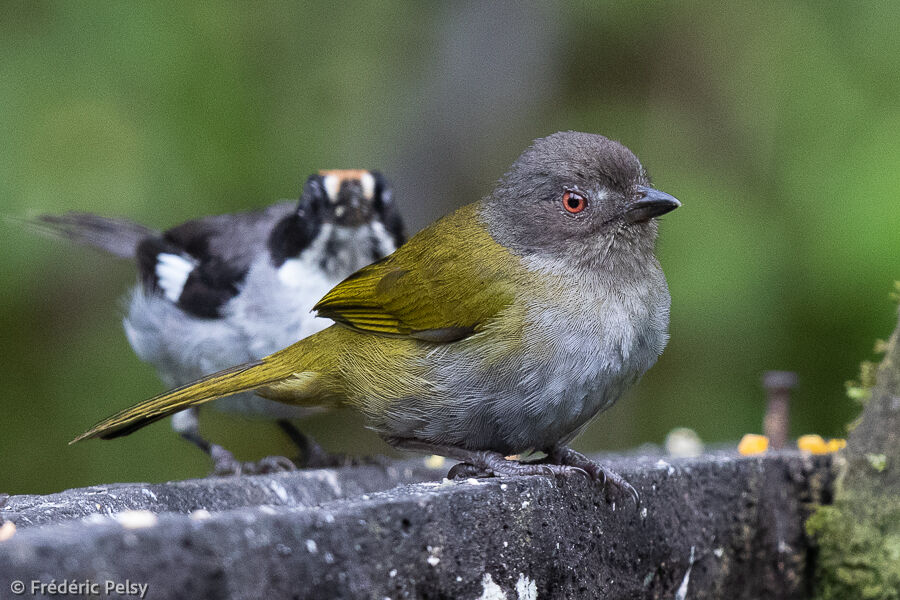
{"x": 560, "y": 461}
{"x": 563, "y": 455}
{"x": 494, "y": 464}
{"x": 224, "y": 463}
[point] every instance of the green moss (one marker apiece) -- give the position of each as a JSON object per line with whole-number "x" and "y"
{"x": 858, "y": 536}
{"x": 878, "y": 461}
{"x": 859, "y": 549}
{"x": 861, "y": 390}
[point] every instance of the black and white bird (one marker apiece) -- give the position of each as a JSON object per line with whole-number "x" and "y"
{"x": 227, "y": 289}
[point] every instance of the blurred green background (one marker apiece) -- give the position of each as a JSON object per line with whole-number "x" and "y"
{"x": 777, "y": 125}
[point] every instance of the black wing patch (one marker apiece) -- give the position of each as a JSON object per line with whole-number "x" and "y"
{"x": 209, "y": 285}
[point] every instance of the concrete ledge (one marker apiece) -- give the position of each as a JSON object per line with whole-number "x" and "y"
{"x": 214, "y": 494}
{"x": 718, "y": 526}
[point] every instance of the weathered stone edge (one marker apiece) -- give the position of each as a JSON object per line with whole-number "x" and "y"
{"x": 739, "y": 518}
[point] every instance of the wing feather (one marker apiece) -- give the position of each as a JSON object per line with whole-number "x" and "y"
{"x": 446, "y": 283}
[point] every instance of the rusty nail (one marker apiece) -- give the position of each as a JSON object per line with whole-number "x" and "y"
{"x": 776, "y": 424}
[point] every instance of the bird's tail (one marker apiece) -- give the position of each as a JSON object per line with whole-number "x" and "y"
{"x": 248, "y": 376}
{"x": 119, "y": 237}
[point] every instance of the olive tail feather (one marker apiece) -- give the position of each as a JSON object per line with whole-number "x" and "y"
{"x": 242, "y": 378}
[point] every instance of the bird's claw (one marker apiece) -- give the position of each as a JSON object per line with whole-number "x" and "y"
{"x": 468, "y": 471}
{"x": 226, "y": 464}
{"x": 270, "y": 464}
{"x": 511, "y": 468}
{"x": 594, "y": 471}
{"x": 559, "y": 462}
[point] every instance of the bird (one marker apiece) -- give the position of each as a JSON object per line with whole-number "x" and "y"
{"x": 501, "y": 329}
{"x": 225, "y": 289}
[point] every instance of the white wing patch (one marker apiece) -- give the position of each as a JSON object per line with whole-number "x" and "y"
{"x": 172, "y": 271}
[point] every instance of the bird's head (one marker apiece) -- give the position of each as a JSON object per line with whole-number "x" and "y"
{"x": 570, "y": 196}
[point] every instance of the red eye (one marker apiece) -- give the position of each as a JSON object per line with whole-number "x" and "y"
{"x": 574, "y": 202}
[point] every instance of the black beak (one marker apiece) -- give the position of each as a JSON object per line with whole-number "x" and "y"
{"x": 653, "y": 203}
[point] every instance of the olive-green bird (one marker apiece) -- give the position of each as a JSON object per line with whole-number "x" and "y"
{"x": 501, "y": 329}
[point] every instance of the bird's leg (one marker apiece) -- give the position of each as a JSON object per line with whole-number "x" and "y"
{"x": 314, "y": 456}
{"x": 482, "y": 463}
{"x": 563, "y": 455}
{"x": 187, "y": 425}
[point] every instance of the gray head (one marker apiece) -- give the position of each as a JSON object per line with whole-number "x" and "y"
{"x": 570, "y": 195}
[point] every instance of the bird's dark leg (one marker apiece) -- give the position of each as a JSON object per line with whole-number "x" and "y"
{"x": 482, "y": 463}
{"x": 563, "y": 455}
{"x": 312, "y": 455}
{"x": 187, "y": 425}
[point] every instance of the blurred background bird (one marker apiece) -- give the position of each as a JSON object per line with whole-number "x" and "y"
{"x": 227, "y": 289}
{"x": 779, "y": 121}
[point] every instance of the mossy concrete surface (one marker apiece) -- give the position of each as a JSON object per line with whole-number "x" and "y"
{"x": 858, "y": 535}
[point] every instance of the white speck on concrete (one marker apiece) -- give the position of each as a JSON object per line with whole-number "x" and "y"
{"x": 392, "y": 573}
{"x": 434, "y": 461}
{"x": 331, "y": 479}
{"x": 525, "y": 503}
{"x": 719, "y": 552}
{"x": 526, "y": 588}
{"x": 644, "y": 513}
{"x": 504, "y": 487}
{"x": 664, "y": 465}
{"x": 279, "y": 490}
{"x": 200, "y": 514}
{"x": 434, "y": 555}
{"x": 329, "y": 518}
{"x": 505, "y": 544}
{"x": 329, "y": 557}
{"x": 136, "y": 519}
{"x": 311, "y": 546}
{"x": 490, "y": 590}
{"x": 681, "y": 593}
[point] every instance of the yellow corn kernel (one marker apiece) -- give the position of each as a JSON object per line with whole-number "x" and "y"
{"x": 814, "y": 444}
{"x": 836, "y": 444}
{"x": 753, "y": 444}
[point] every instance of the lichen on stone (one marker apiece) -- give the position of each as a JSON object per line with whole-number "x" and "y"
{"x": 858, "y": 534}
{"x": 859, "y": 548}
